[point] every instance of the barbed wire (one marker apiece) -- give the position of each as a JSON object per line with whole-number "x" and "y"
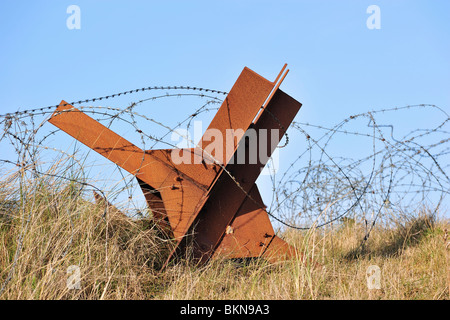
{"x": 116, "y": 114}
{"x": 324, "y": 178}
{"x": 73, "y": 103}
{"x": 318, "y": 186}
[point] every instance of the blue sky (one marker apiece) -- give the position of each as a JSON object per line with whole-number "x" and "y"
{"x": 338, "y": 66}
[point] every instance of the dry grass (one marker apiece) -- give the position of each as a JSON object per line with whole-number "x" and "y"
{"x": 45, "y": 227}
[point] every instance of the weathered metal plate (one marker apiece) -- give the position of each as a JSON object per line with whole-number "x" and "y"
{"x": 221, "y": 208}
{"x": 249, "y": 232}
{"x": 98, "y": 137}
{"x": 154, "y": 168}
{"x": 228, "y": 194}
{"x": 240, "y": 107}
{"x": 183, "y": 190}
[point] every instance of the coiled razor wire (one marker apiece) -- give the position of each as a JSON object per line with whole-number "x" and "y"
{"x": 314, "y": 187}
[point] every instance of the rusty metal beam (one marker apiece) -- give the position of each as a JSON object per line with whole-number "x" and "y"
{"x": 217, "y": 202}
{"x": 227, "y": 193}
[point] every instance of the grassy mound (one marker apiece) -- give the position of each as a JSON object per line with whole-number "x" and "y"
{"x": 47, "y": 228}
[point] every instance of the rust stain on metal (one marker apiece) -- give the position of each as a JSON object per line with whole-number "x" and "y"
{"x": 224, "y": 215}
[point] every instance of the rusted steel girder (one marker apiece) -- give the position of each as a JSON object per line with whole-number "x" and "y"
{"x": 214, "y": 200}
